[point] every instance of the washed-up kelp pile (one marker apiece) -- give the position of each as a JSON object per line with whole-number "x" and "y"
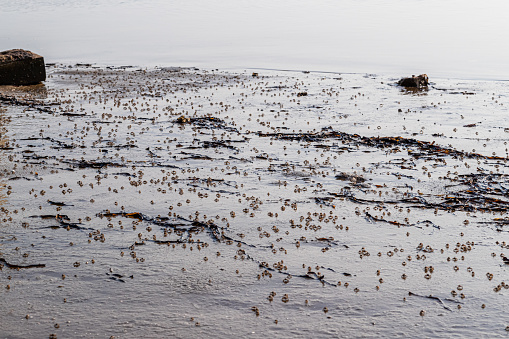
{"x": 183, "y": 202}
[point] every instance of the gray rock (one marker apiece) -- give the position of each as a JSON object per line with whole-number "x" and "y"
{"x": 419, "y": 81}
{"x": 20, "y": 67}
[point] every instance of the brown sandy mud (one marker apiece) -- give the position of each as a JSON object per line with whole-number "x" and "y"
{"x": 177, "y": 202}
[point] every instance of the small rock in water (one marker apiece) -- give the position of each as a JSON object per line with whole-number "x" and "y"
{"x": 20, "y": 67}
{"x": 419, "y": 81}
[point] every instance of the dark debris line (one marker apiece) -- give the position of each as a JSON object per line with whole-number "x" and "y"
{"x": 428, "y": 149}
{"x": 217, "y": 234}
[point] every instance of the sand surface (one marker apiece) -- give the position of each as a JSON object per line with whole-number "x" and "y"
{"x": 177, "y": 202}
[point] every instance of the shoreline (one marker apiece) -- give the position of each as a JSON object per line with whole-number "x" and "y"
{"x": 387, "y": 73}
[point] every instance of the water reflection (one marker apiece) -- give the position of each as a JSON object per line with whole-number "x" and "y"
{"x": 4, "y": 142}
{"x": 32, "y": 92}
{"x": 13, "y": 96}
{"x": 3, "y": 131}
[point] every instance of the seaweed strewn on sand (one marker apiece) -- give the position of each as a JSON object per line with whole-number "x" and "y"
{"x": 183, "y": 202}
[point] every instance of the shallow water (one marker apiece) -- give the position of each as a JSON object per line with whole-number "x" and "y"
{"x": 459, "y": 39}
{"x": 191, "y": 203}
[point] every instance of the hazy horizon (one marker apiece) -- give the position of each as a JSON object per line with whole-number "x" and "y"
{"x": 447, "y": 39}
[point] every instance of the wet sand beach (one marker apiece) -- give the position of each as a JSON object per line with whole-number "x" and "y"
{"x": 185, "y": 202}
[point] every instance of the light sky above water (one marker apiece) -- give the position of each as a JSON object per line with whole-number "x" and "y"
{"x": 459, "y": 39}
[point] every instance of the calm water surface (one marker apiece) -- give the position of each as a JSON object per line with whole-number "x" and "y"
{"x": 441, "y": 38}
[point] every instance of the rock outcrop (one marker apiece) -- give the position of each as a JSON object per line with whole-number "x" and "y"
{"x": 20, "y": 67}
{"x": 419, "y": 81}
